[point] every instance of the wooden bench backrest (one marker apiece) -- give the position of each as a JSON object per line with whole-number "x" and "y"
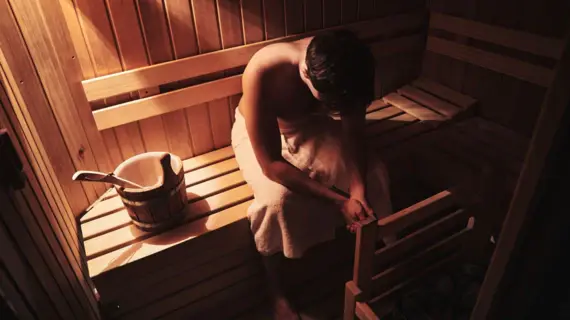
{"x": 382, "y": 34}
{"x": 527, "y": 43}
{"x": 431, "y": 233}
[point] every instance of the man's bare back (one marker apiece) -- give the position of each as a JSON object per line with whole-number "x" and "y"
{"x": 284, "y": 91}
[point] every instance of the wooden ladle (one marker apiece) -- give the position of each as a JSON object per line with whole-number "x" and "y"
{"x": 95, "y": 176}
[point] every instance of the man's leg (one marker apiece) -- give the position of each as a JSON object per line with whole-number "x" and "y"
{"x": 274, "y": 270}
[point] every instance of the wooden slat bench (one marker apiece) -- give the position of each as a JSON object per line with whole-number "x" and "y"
{"x": 124, "y": 260}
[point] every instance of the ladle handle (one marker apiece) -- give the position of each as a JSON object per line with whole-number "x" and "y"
{"x": 94, "y": 176}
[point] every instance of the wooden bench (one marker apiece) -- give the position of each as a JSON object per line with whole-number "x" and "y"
{"x": 119, "y": 254}
{"x": 445, "y": 157}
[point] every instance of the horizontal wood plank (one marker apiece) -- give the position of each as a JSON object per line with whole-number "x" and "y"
{"x": 376, "y": 129}
{"x": 523, "y": 41}
{"x": 165, "y": 240}
{"x": 412, "y": 281}
{"x": 149, "y": 290}
{"x": 167, "y": 102}
{"x": 415, "y": 213}
{"x": 413, "y": 108}
{"x": 196, "y": 192}
{"x": 445, "y": 108}
{"x": 189, "y": 164}
{"x": 130, "y": 234}
{"x": 515, "y": 68}
{"x": 394, "y": 46}
{"x": 152, "y": 76}
{"x": 181, "y": 298}
{"x": 443, "y": 92}
{"x": 398, "y": 273}
{"x": 396, "y": 137}
{"x": 425, "y": 235}
{"x": 382, "y": 114}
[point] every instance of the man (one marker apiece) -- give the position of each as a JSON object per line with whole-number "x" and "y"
{"x": 292, "y": 152}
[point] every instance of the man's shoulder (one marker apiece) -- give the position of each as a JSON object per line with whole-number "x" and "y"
{"x": 272, "y": 55}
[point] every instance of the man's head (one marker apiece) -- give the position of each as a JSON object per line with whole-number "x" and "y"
{"x": 340, "y": 71}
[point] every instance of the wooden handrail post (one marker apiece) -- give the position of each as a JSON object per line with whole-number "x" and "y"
{"x": 364, "y": 254}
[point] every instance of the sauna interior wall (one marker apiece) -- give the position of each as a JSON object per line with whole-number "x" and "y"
{"x": 111, "y": 36}
{"x": 503, "y": 99}
{"x": 42, "y": 274}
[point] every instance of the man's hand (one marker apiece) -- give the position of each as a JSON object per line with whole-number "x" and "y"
{"x": 353, "y": 212}
{"x": 362, "y": 199}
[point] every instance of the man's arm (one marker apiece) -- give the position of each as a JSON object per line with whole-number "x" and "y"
{"x": 263, "y": 130}
{"x": 353, "y": 128}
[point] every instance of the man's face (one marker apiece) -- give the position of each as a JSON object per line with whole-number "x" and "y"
{"x": 307, "y": 81}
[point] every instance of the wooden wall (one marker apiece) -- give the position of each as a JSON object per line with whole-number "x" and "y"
{"x": 508, "y": 101}
{"x": 42, "y": 273}
{"x": 111, "y": 36}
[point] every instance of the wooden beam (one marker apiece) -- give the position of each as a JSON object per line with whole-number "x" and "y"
{"x": 523, "y": 41}
{"x": 152, "y": 76}
{"x": 554, "y": 106}
{"x": 160, "y": 104}
{"x": 415, "y": 213}
{"x": 364, "y": 255}
{"x": 515, "y": 68}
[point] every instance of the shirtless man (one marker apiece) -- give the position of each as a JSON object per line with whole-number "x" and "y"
{"x": 292, "y": 153}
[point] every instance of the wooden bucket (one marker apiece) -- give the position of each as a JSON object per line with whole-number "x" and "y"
{"x": 160, "y": 204}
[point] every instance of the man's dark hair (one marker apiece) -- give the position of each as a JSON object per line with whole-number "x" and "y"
{"x": 341, "y": 68}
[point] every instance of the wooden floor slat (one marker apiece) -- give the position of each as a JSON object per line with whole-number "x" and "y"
{"x": 445, "y": 108}
{"x": 444, "y": 92}
{"x": 135, "y": 251}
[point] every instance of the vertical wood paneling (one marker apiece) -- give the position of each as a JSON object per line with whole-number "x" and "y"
{"x": 98, "y": 35}
{"x": 332, "y": 11}
{"x": 184, "y": 44}
{"x": 156, "y": 130}
{"x": 208, "y": 35}
{"x": 349, "y": 11}
{"x": 274, "y": 18}
{"x": 124, "y": 22}
{"x": 45, "y": 264}
{"x": 366, "y": 9}
{"x": 52, "y": 76}
{"x": 231, "y": 29}
{"x": 252, "y": 17}
{"x": 294, "y": 16}
{"x": 313, "y": 15}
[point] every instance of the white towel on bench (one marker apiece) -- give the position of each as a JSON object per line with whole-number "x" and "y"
{"x": 282, "y": 220}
